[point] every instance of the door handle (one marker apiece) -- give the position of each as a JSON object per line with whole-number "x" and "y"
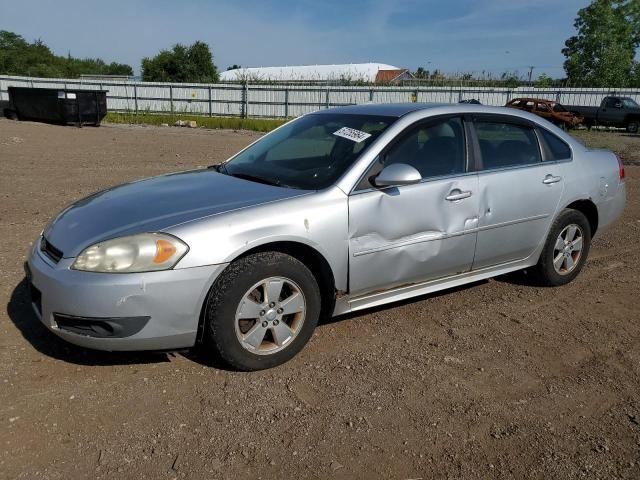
{"x": 457, "y": 194}
{"x": 549, "y": 179}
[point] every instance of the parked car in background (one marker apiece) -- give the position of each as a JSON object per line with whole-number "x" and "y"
{"x": 547, "y": 109}
{"x": 620, "y": 112}
{"x": 334, "y": 212}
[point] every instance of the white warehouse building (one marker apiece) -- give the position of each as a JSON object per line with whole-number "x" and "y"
{"x": 380, "y": 73}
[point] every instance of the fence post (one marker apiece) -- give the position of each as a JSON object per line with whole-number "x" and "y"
{"x": 286, "y": 103}
{"x": 371, "y": 95}
{"x": 210, "y": 103}
{"x": 135, "y": 97}
{"x": 327, "y": 97}
{"x": 245, "y": 100}
{"x": 171, "y": 98}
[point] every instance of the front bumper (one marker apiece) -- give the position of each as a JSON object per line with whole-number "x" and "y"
{"x": 171, "y": 299}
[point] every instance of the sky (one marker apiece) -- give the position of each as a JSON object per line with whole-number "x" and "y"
{"x": 454, "y": 36}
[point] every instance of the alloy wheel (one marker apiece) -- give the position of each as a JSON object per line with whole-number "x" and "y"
{"x": 270, "y": 315}
{"x": 568, "y": 249}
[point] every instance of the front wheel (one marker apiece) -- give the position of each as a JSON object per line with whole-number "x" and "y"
{"x": 632, "y": 127}
{"x": 262, "y": 311}
{"x": 566, "y": 249}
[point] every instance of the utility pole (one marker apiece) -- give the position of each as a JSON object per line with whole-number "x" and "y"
{"x": 531, "y": 73}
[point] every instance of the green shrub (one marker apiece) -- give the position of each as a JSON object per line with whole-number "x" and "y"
{"x": 231, "y": 123}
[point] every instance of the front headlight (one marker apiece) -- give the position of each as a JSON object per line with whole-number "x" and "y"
{"x": 146, "y": 252}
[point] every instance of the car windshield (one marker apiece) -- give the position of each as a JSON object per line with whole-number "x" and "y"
{"x": 629, "y": 103}
{"x": 310, "y": 153}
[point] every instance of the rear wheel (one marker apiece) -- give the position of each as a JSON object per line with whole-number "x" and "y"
{"x": 566, "y": 249}
{"x": 632, "y": 127}
{"x": 262, "y": 311}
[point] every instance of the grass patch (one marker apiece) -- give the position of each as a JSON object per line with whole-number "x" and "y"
{"x": 231, "y": 123}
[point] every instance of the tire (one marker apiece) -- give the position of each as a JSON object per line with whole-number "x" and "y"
{"x": 632, "y": 127}
{"x": 238, "y": 305}
{"x": 556, "y": 244}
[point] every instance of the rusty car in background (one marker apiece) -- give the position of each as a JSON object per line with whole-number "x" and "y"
{"x": 547, "y": 109}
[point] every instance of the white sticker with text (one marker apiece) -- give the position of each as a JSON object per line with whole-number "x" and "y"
{"x": 352, "y": 134}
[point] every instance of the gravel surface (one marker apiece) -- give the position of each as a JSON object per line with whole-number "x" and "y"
{"x": 499, "y": 379}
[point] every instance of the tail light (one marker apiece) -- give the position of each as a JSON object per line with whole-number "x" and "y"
{"x": 620, "y": 169}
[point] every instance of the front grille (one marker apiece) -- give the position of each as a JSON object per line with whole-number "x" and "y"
{"x": 50, "y": 251}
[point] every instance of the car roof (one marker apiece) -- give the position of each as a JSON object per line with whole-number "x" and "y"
{"x": 402, "y": 109}
{"x": 383, "y": 109}
{"x": 531, "y": 99}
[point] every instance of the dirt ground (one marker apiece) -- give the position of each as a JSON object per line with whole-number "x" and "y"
{"x": 496, "y": 380}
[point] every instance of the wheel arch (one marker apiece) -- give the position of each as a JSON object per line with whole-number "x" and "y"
{"x": 589, "y": 210}
{"x": 306, "y": 254}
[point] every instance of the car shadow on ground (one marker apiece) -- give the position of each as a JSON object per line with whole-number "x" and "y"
{"x": 20, "y": 312}
{"x": 22, "y": 315}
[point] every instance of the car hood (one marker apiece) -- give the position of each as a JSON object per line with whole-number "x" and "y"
{"x": 155, "y": 204}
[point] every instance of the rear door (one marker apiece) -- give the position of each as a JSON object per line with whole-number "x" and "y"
{"x": 419, "y": 232}
{"x": 519, "y": 192}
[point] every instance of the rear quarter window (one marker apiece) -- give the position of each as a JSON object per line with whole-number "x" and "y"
{"x": 557, "y": 149}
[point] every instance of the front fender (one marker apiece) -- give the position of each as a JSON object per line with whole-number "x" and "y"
{"x": 318, "y": 220}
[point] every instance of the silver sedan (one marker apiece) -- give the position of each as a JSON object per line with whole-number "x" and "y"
{"x": 333, "y": 212}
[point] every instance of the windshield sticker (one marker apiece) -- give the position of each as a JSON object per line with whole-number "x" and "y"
{"x": 352, "y": 134}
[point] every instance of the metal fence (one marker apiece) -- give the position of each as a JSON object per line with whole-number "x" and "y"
{"x": 283, "y": 101}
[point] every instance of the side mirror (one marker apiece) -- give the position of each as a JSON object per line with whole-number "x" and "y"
{"x": 396, "y": 175}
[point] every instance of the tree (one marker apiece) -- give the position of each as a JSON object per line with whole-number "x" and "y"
{"x": 543, "y": 81}
{"x": 602, "y": 52}
{"x": 421, "y": 73}
{"x": 235, "y": 66}
{"x": 19, "y": 57}
{"x": 181, "y": 64}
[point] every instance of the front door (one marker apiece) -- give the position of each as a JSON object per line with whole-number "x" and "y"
{"x": 414, "y": 233}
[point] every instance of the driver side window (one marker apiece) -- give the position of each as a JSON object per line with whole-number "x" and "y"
{"x": 434, "y": 149}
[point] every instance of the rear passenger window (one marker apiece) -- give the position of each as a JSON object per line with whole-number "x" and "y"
{"x": 506, "y": 145}
{"x": 557, "y": 149}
